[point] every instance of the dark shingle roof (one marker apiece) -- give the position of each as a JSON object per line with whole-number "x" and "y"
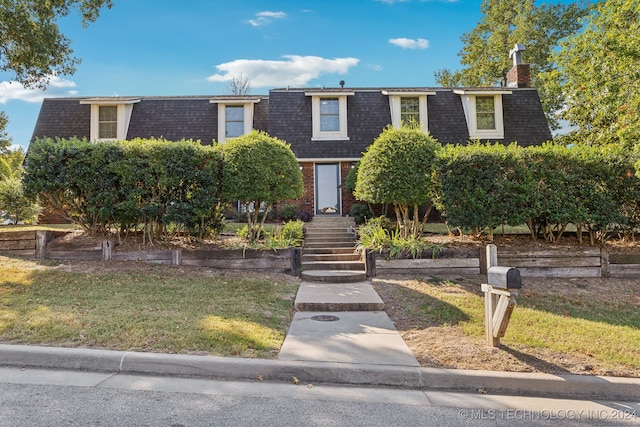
{"x": 63, "y": 118}
{"x": 172, "y": 118}
{"x": 286, "y": 114}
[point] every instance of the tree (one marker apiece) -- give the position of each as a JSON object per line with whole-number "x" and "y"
{"x": 5, "y": 139}
{"x": 504, "y": 23}
{"x": 398, "y": 168}
{"x": 32, "y": 48}
{"x": 599, "y": 74}
{"x": 11, "y": 163}
{"x": 258, "y": 171}
{"x": 239, "y": 85}
{"x": 31, "y": 44}
{"x": 15, "y": 206}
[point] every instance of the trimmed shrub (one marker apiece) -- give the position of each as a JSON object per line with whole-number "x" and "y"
{"x": 288, "y": 212}
{"x": 259, "y": 169}
{"x": 360, "y": 213}
{"x": 398, "y": 168}
{"x": 482, "y": 186}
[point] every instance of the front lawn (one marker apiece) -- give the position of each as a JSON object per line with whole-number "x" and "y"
{"x": 141, "y": 307}
{"x": 579, "y": 326}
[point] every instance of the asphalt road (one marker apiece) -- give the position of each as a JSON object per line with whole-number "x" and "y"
{"x": 33, "y": 397}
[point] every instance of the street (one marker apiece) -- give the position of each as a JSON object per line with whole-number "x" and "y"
{"x": 31, "y": 397}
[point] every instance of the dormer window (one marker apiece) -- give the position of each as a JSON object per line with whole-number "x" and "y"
{"x": 409, "y": 110}
{"x": 329, "y": 115}
{"x": 483, "y": 111}
{"x": 234, "y": 121}
{"x": 107, "y": 122}
{"x": 235, "y": 116}
{"x": 110, "y": 117}
{"x": 486, "y": 113}
{"x": 408, "y": 107}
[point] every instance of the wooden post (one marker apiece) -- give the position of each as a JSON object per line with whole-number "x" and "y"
{"x": 492, "y": 255}
{"x": 605, "y": 265}
{"x": 176, "y": 257}
{"x": 490, "y": 303}
{"x": 483, "y": 260}
{"x": 42, "y": 238}
{"x": 296, "y": 261}
{"x": 370, "y": 262}
{"x": 107, "y": 250}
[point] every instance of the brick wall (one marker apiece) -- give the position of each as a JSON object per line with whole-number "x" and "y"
{"x": 306, "y": 201}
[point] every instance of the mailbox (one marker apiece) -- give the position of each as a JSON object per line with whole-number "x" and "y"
{"x": 504, "y": 277}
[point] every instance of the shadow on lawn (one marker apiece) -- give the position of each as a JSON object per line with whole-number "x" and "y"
{"x": 409, "y": 308}
{"x": 535, "y": 362}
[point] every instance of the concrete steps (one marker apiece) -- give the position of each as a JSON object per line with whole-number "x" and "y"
{"x": 328, "y": 253}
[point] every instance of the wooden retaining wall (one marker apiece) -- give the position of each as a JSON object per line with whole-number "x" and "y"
{"x": 20, "y": 243}
{"x": 282, "y": 260}
{"x": 437, "y": 266}
{"x": 556, "y": 262}
{"x": 542, "y": 262}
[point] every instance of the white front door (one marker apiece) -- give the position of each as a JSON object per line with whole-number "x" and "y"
{"x": 328, "y": 188}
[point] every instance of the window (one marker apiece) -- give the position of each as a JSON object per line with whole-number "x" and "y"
{"x": 107, "y": 122}
{"x": 483, "y": 111}
{"x": 110, "y": 117}
{"x": 329, "y": 115}
{"x": 408, "y": 107}
{"x": 235, "y": 116}
{"x": 234, "y": 121}
{"x": 409, "y": 110}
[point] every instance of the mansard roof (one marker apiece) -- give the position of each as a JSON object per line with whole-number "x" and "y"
{"x": 286, "y": 113}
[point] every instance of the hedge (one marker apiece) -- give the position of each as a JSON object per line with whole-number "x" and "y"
{"x": 482, "y": 186}
{"x": 151, "y": 183}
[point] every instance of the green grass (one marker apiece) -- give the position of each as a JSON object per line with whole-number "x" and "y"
{"x": 44, "y": 227}
{"x": 608, "y": 332}
{"x": 161, "y": 312}
{"x": 233, "y": 227}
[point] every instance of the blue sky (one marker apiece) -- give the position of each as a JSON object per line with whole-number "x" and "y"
{"x": 193, "y": 47}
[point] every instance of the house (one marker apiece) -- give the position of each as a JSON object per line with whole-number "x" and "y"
{"x": 328, "y": 129}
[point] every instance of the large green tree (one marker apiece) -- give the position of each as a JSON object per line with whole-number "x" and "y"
{"x": 399, "y": 168}
{"x": 32, "y": 48}
{"x": 485, "y": 54}
{"x": 598, "y": 74}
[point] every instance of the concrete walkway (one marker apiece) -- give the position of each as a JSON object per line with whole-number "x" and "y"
{"x": 343, "y": 323}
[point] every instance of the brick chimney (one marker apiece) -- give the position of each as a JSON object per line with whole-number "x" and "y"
{"x": 520, "y": 74}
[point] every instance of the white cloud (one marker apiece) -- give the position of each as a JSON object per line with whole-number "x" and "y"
{"x": 16, "y": 91}
{"x": 410, "y": 43}
{"x": 294, "y": 70}
{"x": 266, "y": 17}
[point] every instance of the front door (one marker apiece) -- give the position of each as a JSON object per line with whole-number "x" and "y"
{"x": 327, "y": 188}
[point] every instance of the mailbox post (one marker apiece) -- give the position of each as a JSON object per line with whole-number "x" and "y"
{"x": 499, "y": 296}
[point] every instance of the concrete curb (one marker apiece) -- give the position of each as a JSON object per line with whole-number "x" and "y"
{"x": 511, "y": 383}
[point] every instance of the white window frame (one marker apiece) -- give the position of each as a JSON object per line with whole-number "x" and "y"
{"x": 246, "y": 103}
{"x": 469, "y": 105}
{"x": 342, "y": 133}
{"x": 394, "y": 107}
{"x": 124, "y": 110}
